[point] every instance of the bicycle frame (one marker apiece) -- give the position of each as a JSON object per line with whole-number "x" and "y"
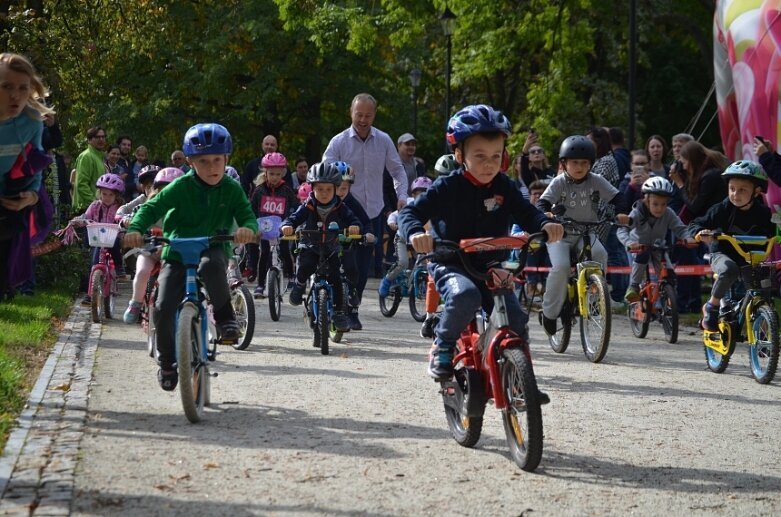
{"x": 666, "y": 275}
{"x": 106, "y": 265}
{"x": 584, "y": 266}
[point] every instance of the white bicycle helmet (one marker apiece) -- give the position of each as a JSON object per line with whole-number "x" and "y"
{"x": 657, "y": 185}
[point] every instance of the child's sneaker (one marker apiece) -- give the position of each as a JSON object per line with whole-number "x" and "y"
{"x": 385, "y": 286}
{"x": 632, "y": 295}
{"x": 228, "y": 329}
{"x": 132, "y": 312}
{"x": 296, "y": 294}
{"x": 168, "y": 377}
{"x": 259, "y": 292}
{"x": 341, "y": 322}
{"x": 355, "y": 323}
{"x": 710, "y": 317}
{"x": 427, "y": 330}
{"x": 549, "y": 325}
{"x": 440, "y": 364}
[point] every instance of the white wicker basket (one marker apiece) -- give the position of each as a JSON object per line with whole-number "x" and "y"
{"x": 102, "y": 235}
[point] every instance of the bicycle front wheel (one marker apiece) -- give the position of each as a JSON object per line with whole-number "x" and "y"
{"x": 97, "y": 304}
{"x": 560, "y": 340}
{"x": 763, "y": 353}
{"x": 274, "y": 286}
{"x": 323, "y": 322}
{"x": 669, "y": 313}
{"x": 417, "y": 296}
{"x": 390, "y": 304}
{"x": 522, "y": 417}
{"x": 192, "y": 369}
{"x": 639, "y": 317}
{"x": 595, "y": 326}
{"x": 244, "y": 308}
{"x": 109, "y": 298}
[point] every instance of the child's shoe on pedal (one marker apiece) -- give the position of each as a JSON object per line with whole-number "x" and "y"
{"x": 710, "y": 317}
{"x": 440, "y": 364}
{"x": 341, "y": 322}
{"x": 549, "y": 325}
{"x": 296, "y": 294}
{"x": 355, "y": 323}
{"x": 168, "y": 377}
{"x": 132, "y": 312}
{"x": 228, "y": 329}
{"x": 385, "y": 286}
{"x": 427, "y": 330}
{"x": 259, "y": 292}
{"x": 632, "y": 294}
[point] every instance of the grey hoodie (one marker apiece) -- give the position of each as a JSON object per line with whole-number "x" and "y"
{"x": 646, "y": 229}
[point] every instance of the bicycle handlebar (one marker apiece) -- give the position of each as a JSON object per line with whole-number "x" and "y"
{"x": 737, "y": 241}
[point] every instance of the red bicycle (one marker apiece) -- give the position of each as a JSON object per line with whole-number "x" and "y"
{"x": 492, "y": 362}
{"x": 103, "y": 276}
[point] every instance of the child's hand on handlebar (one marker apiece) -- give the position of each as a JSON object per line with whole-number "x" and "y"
{"x": 704, "y": 236}
{"x": 623, "y": 218}
{"x": 634, "y": 246}
{"x": 422, "y": 243}
{"x": 133, "y": 240}
{"x": 353, "y": 230}
{"x": 243, "y": 236}
{"x": 555, "y": 231}
{"x": 370, "y": 238}
{"x": 287, "y": 231}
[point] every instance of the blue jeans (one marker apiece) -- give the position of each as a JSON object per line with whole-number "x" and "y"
{"x": 463, "y": 297}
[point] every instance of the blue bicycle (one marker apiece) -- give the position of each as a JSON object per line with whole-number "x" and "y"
{"x": 411, "y": 283}
{"x": 196, "y": 334}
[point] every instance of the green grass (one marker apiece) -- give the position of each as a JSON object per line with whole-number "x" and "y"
{"x": 28, "y": 326}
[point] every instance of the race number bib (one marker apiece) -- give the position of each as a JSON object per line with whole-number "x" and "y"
{"x": 273, "y": 205}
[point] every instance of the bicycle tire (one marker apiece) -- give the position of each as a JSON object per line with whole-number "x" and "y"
{"x": 669, "y": 313}
{"x": 395, "y": 300}
{"x": 639, "y": 319}
{"x": 148, "y": 314}
{"x": 323, "y": 321}
{"x": 598, "y": 319}
{"x": 717, "y": 362}
{"x": 109, "y": 301}
{"x": 191, "y": 368}
{"x": 763, "y": 355}
{"x": 417, "y": 295}
{"x": 96, "y": 304}
{"x": 274, "y": 286}
{"x": 522, "y": 418}
{"x": 560, "y": 340}
{"x": 244, "y": 308}
{"x": 465, "y": 430}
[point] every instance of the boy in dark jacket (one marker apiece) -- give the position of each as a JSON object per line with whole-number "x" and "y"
{"x": 475, "y": 201}
{"x": 321, "y": 209}
{"x": 742, "y": 213}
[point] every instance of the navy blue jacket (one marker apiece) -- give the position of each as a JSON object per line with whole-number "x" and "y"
{"x": 460, "y": 208}
{"x": 306, "y": 216}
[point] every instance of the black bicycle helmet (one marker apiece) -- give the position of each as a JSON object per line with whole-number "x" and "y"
{"x": 148, "y": 173}
{"x": 578, "y": 147}
{"x": 324, "y": 173}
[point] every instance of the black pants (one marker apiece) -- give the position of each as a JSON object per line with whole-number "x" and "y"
{"x": 265, "y": 260}
{"x": 307, "y": 264}
{"x": 5, "y": 250}
{"x": 350, "y": 266}
{"x": 211, "y": 270}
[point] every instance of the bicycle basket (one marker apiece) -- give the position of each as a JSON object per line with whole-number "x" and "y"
{"x": 102, "y": 235}
{"x": 762, "y": 276}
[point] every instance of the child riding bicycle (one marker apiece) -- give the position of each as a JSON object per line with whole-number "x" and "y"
{"x": 650, "y": 220}
{"x": 475, "y": 201}
{"x": 322, "y": 208}
{"x": 741, "y": 213}
{"x": 201, "y": 204}
{"x": 579, "y": 191}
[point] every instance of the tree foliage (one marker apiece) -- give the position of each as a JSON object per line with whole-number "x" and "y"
{"x": 151, "y": 68}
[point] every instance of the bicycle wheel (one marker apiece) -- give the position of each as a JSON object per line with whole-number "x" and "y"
{"x": 522, "y": 417}
{"x": 390, "y": 304}
{"x": 595, "y": 326}
{"x": 147, "y": 315}
{"x": 192, "y": 370}
{"x": 763, "y": 354}
{"x": 323, "y": 322}
{"x": 668, "y": 313}
{"x": 244, "y": 307}
{"x": 417, "y": 295}
{"x": 560, "y": 340}
{"x": 465, "y": 429}
{"x": 109, "y": 299}
{"x": 97, "y": 304}
{"x": 639, "y": 318}
{"x": 717, "y": 362}
{"x": 274, "y": 286}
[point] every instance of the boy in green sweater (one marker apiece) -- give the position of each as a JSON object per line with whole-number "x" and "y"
{"x": 202, "y": 203}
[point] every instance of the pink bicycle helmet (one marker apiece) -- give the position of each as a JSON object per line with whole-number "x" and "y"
{"x": 111, "y": 182}
{"x": 422, "y": 183}
{"x": 303, "y": 191}
{"x": 167, "y": 175}
{"x": 274, "y": 160}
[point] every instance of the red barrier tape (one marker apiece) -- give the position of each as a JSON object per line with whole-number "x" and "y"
{"x": 697, "y": 270}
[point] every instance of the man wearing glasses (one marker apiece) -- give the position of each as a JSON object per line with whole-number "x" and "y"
{"x": 89, "y": 167}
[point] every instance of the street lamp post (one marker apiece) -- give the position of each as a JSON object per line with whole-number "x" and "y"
{"x": 448, "y": 21}
{"x": 414, "y": 80}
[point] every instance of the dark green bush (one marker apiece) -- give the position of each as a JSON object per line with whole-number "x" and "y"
{"x": 62, "y": 267}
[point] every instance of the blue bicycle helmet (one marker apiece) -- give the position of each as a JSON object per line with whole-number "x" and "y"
{"x": 324, "y": 173}
{"x": 207, "y": 139}
{"x": 476, "y": 119}
{"x": 346, "y": 171}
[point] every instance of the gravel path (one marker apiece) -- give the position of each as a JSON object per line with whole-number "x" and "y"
{"x": 649, "y": 431}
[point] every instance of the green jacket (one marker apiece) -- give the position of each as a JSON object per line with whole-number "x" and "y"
{"x": 89, "y": 167}
{"x": 188, "y": 207}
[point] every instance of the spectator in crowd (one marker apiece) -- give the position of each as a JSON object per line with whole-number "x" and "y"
{"x": 125, "y": 146}
{"x": 620, "y": 153}
{"x": 141, "y": 160}
{"x": 112, "y": 162}
{"x": 534, "y": 165}
{"x": 633, "y": 181}
{"x": 299, "y": 178}
{"x": 270, "y": 144}
{"x": 178, "y": 161}
{"x": 656, "y": 147}
{"x": 89, "y": 167}
{"x": 413, "y": 166}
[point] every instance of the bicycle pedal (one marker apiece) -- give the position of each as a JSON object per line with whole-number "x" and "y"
{"x": 213, "y": 374}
